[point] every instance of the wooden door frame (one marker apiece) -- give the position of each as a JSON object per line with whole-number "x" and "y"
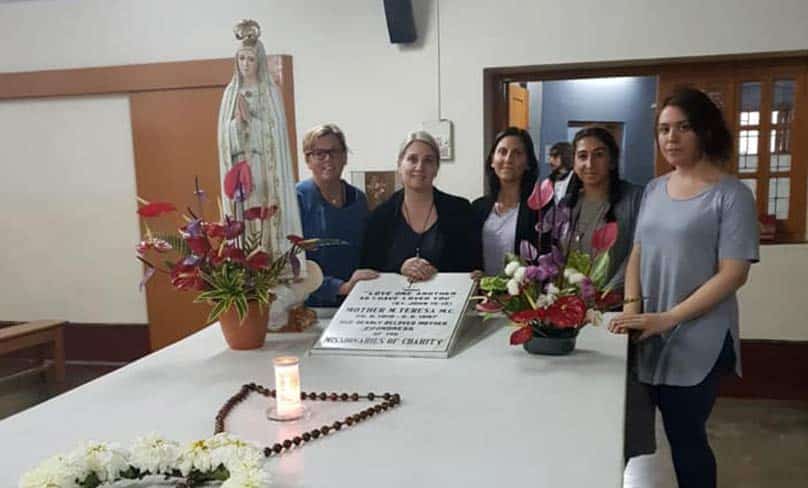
{"x": 495, "y": 82}
{"x": 136, "y": 78}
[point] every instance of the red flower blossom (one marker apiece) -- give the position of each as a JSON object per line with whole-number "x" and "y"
{"x": 199, "y": 244}
{"x": 228, "y": 230}
{"x": 155, "y": 209}
{"x": 159, "y": 245}
{"x": 567, "y": 312}
{"x": 521, "y": 335}
{"x": 186, "y": 277}
{"x": 528, "y": 316}
{"x": 608, "y": 301}
{"x": 233, "y": 254}
{"x": 258, "y": 260}
{"x": 260, "y": 213}
{"x": 604, "y": 238}
{"x": 238, "y": 179}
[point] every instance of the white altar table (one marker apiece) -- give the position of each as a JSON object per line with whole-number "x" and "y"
{"x": 491, "y": 415}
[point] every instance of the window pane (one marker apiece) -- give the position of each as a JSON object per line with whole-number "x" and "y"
{"x": 750, "y": 96}
{"x": 780, "y": 151}
{"x": 752, "y": 184}
{"x": 779, "y": 192}
{"x": 783, "y": 103}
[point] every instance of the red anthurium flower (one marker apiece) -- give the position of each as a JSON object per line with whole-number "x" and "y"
{"x": 186, "y": 277}
{"x": 214, "y": 258}
{"x": 542, "y": 194}
{"x": 608, "y": 301}
{"x": 155, "y": 209}
{"x": 199, "y": 244}
{"x": 521, "y": 335}
{"x": 233, "y": 254}
{"x": 238, "y": 179}
{"x": 258, "y": 260}
{"x": 229, "y": 230}
{"x": 488, "y": 306}
{"x": 605, "y": 237}
{"x": 260, "y": 213}
{"x": 527, "y": 316}
{"x": 567, "y": 312}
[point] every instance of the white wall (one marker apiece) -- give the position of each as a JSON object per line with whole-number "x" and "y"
{"x": 347, "y": 72}
{"x": 68, "y": 211}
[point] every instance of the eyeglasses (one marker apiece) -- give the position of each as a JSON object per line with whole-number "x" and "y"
{"x": 321, "y": 154}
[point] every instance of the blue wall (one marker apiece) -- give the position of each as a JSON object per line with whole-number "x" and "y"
{"x": 628, "y": 100}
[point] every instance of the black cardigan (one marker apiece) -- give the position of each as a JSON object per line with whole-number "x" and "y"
{"x": 462, "y": 251}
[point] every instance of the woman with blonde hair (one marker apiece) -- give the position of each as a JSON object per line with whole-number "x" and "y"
{"x": 421, "y": 230}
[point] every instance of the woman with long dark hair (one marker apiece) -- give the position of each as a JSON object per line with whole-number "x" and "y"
{"x": 696, "y": 236}
{"x": 597, "y": 195}
{"x": 502, "y": 218}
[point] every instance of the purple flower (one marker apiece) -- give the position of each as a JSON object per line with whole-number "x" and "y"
{"x": 548, "y": 267}
{"x": 557, "y": 220}
{"x": 194, "y": 228}
{"x": 587, "y": 290}
{"x": 533, "y": 273}
{"x": 528, "y": 251}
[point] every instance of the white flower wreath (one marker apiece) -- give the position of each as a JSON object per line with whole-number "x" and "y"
{"x": 223, "y": 457}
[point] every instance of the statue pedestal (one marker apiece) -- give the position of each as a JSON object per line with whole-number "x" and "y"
{"x": 288, "y": 312}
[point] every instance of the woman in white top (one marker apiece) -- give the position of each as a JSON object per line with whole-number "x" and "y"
{"x": 502, "y": 217}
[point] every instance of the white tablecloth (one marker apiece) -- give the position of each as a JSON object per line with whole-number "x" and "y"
{"x": 491, "y": 415}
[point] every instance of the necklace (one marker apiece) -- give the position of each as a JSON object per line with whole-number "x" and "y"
{"x": 426, "y": 220}
{"x": 423, "y": 227}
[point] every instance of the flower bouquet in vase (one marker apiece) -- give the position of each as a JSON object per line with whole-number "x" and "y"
{"x": 224, "y": 261}
{"x": 549, "y": 297}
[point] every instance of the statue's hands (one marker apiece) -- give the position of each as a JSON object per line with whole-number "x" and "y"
{"x": 418, "y": 269}
{"x": 357, "y": 276}
{"x": 241, "y": 112}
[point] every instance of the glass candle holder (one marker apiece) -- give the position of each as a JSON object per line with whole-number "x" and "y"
{"x": 288, "y": 405}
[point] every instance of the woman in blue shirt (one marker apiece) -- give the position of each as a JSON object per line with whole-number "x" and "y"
{"x": 696, "y": 236}
{"x": 331, "y": 208}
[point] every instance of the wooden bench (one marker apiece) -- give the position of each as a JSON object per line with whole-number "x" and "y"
{"x": 45, "y": 334}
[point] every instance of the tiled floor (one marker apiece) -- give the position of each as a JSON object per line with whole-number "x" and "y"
{"x": 758, "y": 443}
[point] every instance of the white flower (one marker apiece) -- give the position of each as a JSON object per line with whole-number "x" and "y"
{"x": 575, "y": 277}
{"x": 54, "y": 472}
{"x": 234, "y": 453}
{"x": 247, "y": 478}
{"x": 551, "y": 289}
{"x": 511, "y": 267}
{"x": 545, "y": 300}
{"x": 104, "y": 459}
{"x": 196, "y": 455}
{"x": 519, "y": 274}
{"x": 154, "y": 454}
{"x": 513, "y": 287}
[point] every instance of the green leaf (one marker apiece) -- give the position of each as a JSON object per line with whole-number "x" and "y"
{"x": 494, "y": 284}
{"x": 599, "y": 270}
{"x": 579, "y": 261}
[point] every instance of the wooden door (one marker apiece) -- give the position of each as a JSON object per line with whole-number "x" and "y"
{"x": 174, "y": 137}
{"x": 518, "y": 106}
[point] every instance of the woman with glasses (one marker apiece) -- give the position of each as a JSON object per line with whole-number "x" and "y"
{"x": 697, "y": 234}
{"x": 421, "y": 230}
{"x": 331, "y": 208}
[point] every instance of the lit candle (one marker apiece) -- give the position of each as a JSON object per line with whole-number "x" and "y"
{"x": 287, "y": 388}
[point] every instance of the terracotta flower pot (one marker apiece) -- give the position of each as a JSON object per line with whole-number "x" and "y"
{"x": 251, "y": 332}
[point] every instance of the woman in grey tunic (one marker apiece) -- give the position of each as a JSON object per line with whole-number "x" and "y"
{"x": 597, "y": 195}
{"x": 696, "y": 236}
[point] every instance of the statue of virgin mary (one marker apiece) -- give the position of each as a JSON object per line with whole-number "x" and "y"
{"x": 252, "y": 128}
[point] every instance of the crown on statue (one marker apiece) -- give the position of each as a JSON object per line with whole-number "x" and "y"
{"x": 247, "y": 31}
